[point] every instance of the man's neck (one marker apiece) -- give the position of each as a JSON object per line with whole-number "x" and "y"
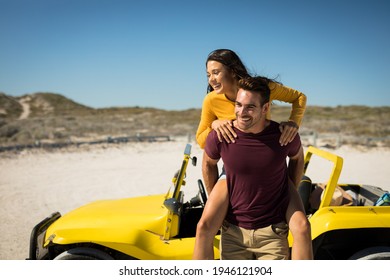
{"x": 254, "y": 129}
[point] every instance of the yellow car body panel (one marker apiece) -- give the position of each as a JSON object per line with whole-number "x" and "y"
{"x": 114, "y": 215}
{"x": 135, "y": 224}
{"x": 333, "y": 218}
{"x": 346, "y": 217}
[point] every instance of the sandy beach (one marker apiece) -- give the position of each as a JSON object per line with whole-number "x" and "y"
{"x": 34, "y": 184}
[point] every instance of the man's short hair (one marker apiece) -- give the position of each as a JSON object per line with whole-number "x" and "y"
{"x": 256, "y": 84}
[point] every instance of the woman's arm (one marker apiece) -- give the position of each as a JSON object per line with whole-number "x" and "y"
{"x": 221, "y": 122}
{"x": 206, "y": 119}
{"x": 290, "y": 128}
{"x": 296, "y": 98}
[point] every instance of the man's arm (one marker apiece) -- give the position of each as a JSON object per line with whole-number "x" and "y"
{"x": 210, "y": 172}
{"x": 295, "y": 167}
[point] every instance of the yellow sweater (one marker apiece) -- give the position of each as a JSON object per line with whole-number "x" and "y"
{"x": 217, "y": 106}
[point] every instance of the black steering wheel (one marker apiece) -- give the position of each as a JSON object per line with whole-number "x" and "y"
{"x": 202, "y": 191}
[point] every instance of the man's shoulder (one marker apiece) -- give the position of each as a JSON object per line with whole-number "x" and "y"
{"x": 211, "y": 147}
{"x": 274, "y": 124}
{"x": 212, "y": 136}
{"x": 273, "y": 128}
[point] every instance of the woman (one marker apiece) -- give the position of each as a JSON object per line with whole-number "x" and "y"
{"x": 224, "y": 70}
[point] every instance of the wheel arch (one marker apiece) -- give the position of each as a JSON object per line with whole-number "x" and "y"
{"x": 341, "y": 244}
{"x": 93, "y": 248}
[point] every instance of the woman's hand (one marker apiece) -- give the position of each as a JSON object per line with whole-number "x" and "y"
{"x": 224, "y": 129}
{"x": 289, "y": 130}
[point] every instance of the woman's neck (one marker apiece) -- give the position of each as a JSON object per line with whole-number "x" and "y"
{"x": 231, "y": 94}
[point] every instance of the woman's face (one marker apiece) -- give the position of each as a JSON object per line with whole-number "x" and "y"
{"x": 219, "y": 77}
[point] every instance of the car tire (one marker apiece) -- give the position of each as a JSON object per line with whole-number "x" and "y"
{"x": 83, "y": 254}
{"x": 372, "y": 253}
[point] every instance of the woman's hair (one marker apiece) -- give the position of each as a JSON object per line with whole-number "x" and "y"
{"x": 232, "y": 61}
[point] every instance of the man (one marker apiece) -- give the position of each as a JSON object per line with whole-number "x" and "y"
{"x": 257, "y": 181}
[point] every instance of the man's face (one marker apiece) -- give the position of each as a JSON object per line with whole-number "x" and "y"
{"x": 219, "y": 77}
{"x": 249, "y": 112}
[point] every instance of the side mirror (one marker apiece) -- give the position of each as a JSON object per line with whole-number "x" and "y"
{"x": 194, "y": 161}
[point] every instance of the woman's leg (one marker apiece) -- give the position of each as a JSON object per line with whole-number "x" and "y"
{"x": 211, "y": 221}
{"x": 300, "y": 227}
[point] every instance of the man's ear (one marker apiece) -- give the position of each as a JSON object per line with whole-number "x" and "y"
{"x": 265, "y": 108}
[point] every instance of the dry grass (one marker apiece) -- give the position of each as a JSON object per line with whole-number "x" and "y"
{"x": 54, "y": 118}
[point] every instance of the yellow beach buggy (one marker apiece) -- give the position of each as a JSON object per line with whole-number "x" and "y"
{"x": 346, "y": 223}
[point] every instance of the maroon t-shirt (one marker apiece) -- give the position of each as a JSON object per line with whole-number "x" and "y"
{"x": 257, "y": 176}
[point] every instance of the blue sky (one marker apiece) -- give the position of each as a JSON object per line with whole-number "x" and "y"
{"x": 152, "y": 53}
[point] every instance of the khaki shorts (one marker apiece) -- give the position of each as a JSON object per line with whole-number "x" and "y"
{"x": 268, "y": 243}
